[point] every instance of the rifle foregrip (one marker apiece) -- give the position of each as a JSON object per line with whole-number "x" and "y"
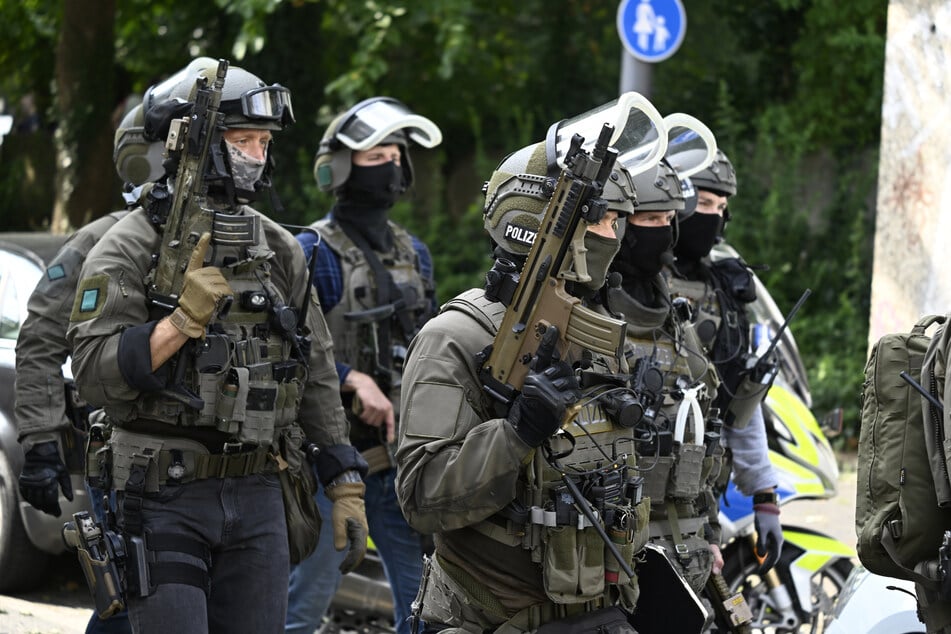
{"x": 596, "y": 332}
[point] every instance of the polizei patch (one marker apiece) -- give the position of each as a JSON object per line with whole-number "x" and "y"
{"x": 521, "y": 235}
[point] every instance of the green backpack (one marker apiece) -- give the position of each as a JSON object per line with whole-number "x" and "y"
{"x": 897, "y": 518}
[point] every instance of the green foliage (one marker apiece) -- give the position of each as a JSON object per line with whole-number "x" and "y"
{"x": 792, "y": 89}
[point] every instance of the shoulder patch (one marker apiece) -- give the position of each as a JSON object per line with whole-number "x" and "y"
{"x": 56, "y": 272}
{"x": 90, "y": 298}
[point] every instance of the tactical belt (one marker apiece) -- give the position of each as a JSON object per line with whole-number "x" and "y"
{"x": 224, "y": 465}
{"x": 378, "y": 458}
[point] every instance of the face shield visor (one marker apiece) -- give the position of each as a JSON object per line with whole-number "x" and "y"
{"x": 639, "y": 134}
{"x": 368, "y": 123}
{"x": 269, "y": 103}
{"x": 691, "y": 146}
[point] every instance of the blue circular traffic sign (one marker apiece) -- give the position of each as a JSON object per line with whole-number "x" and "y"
{"x": 651, "y": 30}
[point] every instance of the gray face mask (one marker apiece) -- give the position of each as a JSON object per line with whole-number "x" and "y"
{"x": 601, "y": 252}
{"x": 245, "y": 169}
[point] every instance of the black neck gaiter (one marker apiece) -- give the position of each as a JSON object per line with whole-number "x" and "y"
{"x": 644, "y": 252}
{"x": 697, "y": 235}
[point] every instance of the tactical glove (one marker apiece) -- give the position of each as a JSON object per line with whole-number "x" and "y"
{"x": 550, "y": 387}
{"x": 42, "y": 478}
{"x": 349, "y": 521}
{"x": 204, "y": 292}
{"x": 769, "y": 535}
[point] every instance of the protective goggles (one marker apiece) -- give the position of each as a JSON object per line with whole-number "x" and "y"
{"x": 370, "y": 122}
{"x": 272, "y": 103}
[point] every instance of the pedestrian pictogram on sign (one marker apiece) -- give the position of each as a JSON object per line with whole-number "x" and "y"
{"x": 651, "y": 30}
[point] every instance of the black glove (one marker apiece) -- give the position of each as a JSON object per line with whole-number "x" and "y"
{"x": 550, "y": 387}
{"x": 43, "y": 475}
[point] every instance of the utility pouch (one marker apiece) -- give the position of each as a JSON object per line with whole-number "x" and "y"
{"x": 297, "y": 488}
{"x": 656, "y": 472}
{"x": 611, "y": 620}
{"x": 573, "y": 564}
{"x": 685, "y": 477}
{"x": 691, "y": 557}
{"x": 260, "y": 413}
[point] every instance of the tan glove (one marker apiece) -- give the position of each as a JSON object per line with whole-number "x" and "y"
{"x": 350, "y": 522}
{"x": 203, "y": 293}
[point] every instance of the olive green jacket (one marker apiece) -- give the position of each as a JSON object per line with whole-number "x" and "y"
{"x": 124, "y": 258}
{"x": 42, "y": 348}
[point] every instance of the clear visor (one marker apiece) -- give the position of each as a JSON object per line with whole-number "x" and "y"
{"x": 272, "y": 103}
{"x": 691, "y": 146}
{"x": 369, "y": 125}
{"x": 639, "y": 134}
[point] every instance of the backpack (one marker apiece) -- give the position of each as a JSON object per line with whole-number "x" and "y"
{"x": 897, "y": 518}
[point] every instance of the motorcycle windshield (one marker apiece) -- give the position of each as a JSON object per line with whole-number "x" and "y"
{"x": 639, "y": 134}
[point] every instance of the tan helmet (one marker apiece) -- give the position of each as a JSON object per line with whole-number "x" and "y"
{"x": 137, "y": 160}
{"x": 516, "y": 196}
{"x": 372, "y": 122}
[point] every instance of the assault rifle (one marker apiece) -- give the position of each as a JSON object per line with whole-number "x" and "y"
{"x": 539, "y": 299}
{"x": 192, "y": 139}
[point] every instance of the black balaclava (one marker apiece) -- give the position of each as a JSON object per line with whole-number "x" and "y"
{"x": 373, "y": 186}
{"x": 697, "y": 235}
{"x": 364, "y": 201}
{"x": 644, "y": 252}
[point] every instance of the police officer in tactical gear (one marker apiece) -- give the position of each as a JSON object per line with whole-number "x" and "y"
{"x": 719, "y": 290}
{"x": 513, "y": 553}
{"x": 209, "y": 403}
{"x": 376, "y": 288}
{"x": 681, "y": 452}
{"x": 50, "y": 419}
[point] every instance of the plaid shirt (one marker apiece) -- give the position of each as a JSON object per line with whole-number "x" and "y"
{"x": 328, "y": 277}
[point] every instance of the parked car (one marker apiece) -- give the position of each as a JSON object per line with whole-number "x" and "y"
{"x": 27, "y": 537}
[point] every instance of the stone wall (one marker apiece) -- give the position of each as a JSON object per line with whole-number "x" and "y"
{"x": 911, "y": 273}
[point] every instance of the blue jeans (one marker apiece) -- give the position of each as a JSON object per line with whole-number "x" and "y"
{"x": 241, "y": 522}
{"x": 314, "y": 581}
{"x": 118, "y": 623}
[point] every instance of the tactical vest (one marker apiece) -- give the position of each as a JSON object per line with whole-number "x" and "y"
{"x": 682, "y": 460}
{"x": 599, "y": 456}
{"x": 355, "y": 330}
{"x": 245, "y": 371}
{"x": 705, "y": 303}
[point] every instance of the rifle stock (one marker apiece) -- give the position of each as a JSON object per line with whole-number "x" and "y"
{"x": 540, "y": 299}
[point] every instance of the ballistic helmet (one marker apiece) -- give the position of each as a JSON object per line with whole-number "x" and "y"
{"x": 247, "y": 102}
{"x": 659, "y": 189}
{"x": 137, "y": 160}
{"x": 178, "y": 86}
{"x": 372, "y": 122}
{"x": 718, "y": 177}
{"x": 515, "y": 199}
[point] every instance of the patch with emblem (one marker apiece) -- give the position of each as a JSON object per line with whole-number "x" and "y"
{"x": 90, "y": 298}
{"x": 56, "y": 272}
{"x": 520, "y": 234}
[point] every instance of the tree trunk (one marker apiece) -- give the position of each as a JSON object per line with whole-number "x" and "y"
{"x": 85, "y": 180}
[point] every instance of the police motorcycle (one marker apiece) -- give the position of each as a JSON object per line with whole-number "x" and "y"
{"x": 797, "y": 595}
{"x": 874, "y": 604}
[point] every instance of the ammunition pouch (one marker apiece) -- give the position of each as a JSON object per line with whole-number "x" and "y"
{"x": 678, "y": 476}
